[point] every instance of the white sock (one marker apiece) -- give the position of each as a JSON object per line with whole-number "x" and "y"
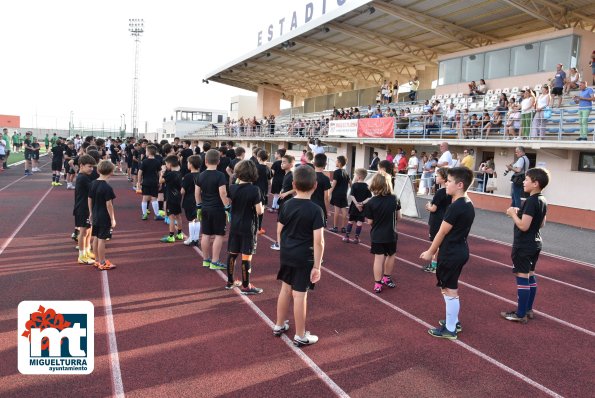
{"x": 452, "y": 312}
{"x": 275, "y": 202}
{"x": 81, "y": 253}
{"x": 196, "y": 230}
{"x": 155, "y": 205}
{"x": 143, "y": 206}
{"x": 191, "y": 230}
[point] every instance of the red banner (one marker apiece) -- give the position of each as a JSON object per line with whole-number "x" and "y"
{"x": 382, "y": 127}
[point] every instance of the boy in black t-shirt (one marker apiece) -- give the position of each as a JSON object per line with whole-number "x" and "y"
{"x": 246, "y": 205}
{"x": 383, "y": 211}
{"x": 239, "y": 156}
{"x": 263, "y": 182}
{"x": 278, "y": 175}
{"x": 360, "y": 195}
{"x": 301, "y": 226}
{"x": 339, "y": 187}
{"x": 212, "y": 204}
{"x": 321, "y": 196}
{"x": 185, "y": 153}
{"x": 35, "y": 159}
{"x": 148, "y": 179}
{"x": 287, "y": 190}
{"x": 189, "y": 201}
{"x": 101, "y": 213}
{"x": 451, "y": 239}
{"x": 57, "y": 161}
{"x": 69, "y": 155}
{"x": 172, "y": 178}
{"x": 528, "y": 221}
{"x": 437, "y": 207}
{"x": 224, "y": 163}
{"x": 28, "y": 154}
{"x": 81, "y": 208}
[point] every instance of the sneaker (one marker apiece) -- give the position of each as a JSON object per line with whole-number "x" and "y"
{"x": 458, "y": 327}
{"x": 162, "y": 213}
{"x": 233, "y": 284}
{"x": 443, "y": 333}
{"x": 74, "y": 236}
{"x": 275, "y": 246}
{"x": 388, "y": 282}
{"x": 216, "y": 265}
{"x": 512, "y": 316}
{"x": 70, "y": 187}
{"x": 279, "y": 330}
{"x": 429, "y": 268}
{"x": 165, "y": 220}
{"x": 106, "y": 266}
{"x": 530, "y": 314}
{"x": 261, "y": 231}
{"x": 354, "y": 240}
{"x": 159, "y": 218}
{"x": 250, "y": 289}
{"x": 85, "y": 260}
{"x": 343, "y": 230}
{"x": 308, "y": 339}
{"x": 189, "y": 242}
{"x": 167, "y": 239}
{"x": 180, "y": 236}
{"x": 90, "y": 255}
{"x": 334, "y": 229}
{"x": 377, "y": 287}
{"x": 206, "y": 263}
{"x": 145, "y": 217}
{"x": 58, "y": 184}
{"x": 53, "y": 183}
{"x": 345, "y": 239}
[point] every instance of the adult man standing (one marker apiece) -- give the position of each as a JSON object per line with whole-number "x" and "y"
{"x": 78, "y": 141}
{"x": 316, "y": 146}
{"x": 519, "y": 168}
{"x": 468, "y": 159}
{"x": 374, "y": 162}
{"x": 558, "y": 83}
{"x": 413, "y": 86}
{"x": 446, "y": 157}
{"x": 585, "y": 104}
{"x": 412, "y": 165}
{"x": 449, "y": 115}
{"x": 6, "y": 139}
{"x": 16, "y": 141}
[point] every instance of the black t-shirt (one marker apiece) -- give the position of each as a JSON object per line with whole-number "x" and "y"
{"x": 185, "y": 153}
{"x": 150, "y": 169}
{"x": 209, "y": 182}
{"x": 224, "y": 163}
{"x": 360, "y": 192}
{"x": 27, "y": 143}
{"x": 287, "y": 183}
{"x": 278, "y": 172}
{"x": 100, "y": 193}
{"x": 536, "y": 207}
{"x": 299, "y": 217}
{"x": 264, "y": 175}
{"x": 58, "y": 153}
{"x": 94, "y": 174}
{"x": 342, "y": 183}
{"x": 383, "y": 211}
{"x": 244, "y": 198}
{"x": 442, "y": 201}
{"x": 81, "y": 194}
{"x": 69, "y": 152}
{"x": 136, "y": 156}
{"x": 173, "y": 185}
{"x": 114, "y": 151}
{"x": 188, "y": 183}
{"x": 35, "y": 146}
{"x": 129, "y": 149}
{"x": 460, "y": 214}
{"x": 323, "y": 185}
{"x": 254, "y": 160}
{"x": 231, "y": 154}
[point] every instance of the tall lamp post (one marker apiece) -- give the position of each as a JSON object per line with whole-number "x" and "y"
{"x": 136, "y": 29}
{"x": 122, "y": 125}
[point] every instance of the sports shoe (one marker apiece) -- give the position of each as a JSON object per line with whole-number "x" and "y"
{"x": 530, "y": 314}
{"x": 250, "y": 289}
{"x": 70, "y": 187}
{"x": 334, "y": 229}
{"x": 74, "y": 236}
{"x": 167, "y": 239}
{"x": 429, "y": 268}
{"x": 354, "y": 240}
{"x": 279, "y": 330}
{"x": 388, "y": 282}
{"x": 343, "y": 230}
{"x": 345, "y": 239}
{"x": 261, "y": 231}
{"x": 53, "y": 183}
{"x": 159, "y": 218}
{"x": 145, "y": 217}
{"x": 189, "y": 242}
{"x": 90, "y": 255}
{"x": 458, "y": 327}
{"x": 443, "y": 333}
{"x": 85, "y": 260}
{"x": 275, "y": 246}
{"x": 106, "y": 266}
{"x": 216, "y": 265}
{"x": 58, "y": 184}
{"x": 233, "y": 284}
{"x": 180, "y": 236}
{"x": 206, "y": 262}
{"x": 307, "y": 339}
{"x": 512, "y": 316}
{"x": 377, "y": 287}
{"x": 162, "y": 213}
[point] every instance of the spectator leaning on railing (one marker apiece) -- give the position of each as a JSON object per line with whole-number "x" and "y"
{"x": 585, "y": 104}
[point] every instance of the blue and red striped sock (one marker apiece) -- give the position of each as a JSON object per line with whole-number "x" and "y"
{"x": 532, "y": 291}
{"x": 523, "y": 291}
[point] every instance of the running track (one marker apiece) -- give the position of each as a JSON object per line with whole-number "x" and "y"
{"x": 166, "y": 327}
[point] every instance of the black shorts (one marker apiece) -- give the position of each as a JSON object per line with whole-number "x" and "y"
{"x": 36, "y": 156}
{"x": 524, "y": 260}
{"x": 448, "y": 271}
{"x": 557, "y": 91}
{"x": 102, "y": 232}
{"x": 56, "y": 166}
{"x": 134, "y": 169}
{"x": 29, "y": 156}
{"x": 357, "y": 217}
{"x": 150, "y": 190}
{"x": 297, "y": 277}
{"x": 340, "y": 202}
{"x": 387, "y": 249}
{"x": 276, "y": 186}
{"x": 173, "y": 208}
{"x": 244, "y": 244}
{"x": 190, "y": 213}
{"x": 81, "y": 220}
{"x": 213, "y": 222}
{"x": 434, "y": 228}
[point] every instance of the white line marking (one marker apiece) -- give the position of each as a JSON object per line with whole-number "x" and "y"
{"x": 307, "y": 360}
{"x": 458, "y": 342}
{"x": 19, "y": 179}
{"x": 114, "y": 359}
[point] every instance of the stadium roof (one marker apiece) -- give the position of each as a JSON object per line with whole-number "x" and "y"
{"x": 378, "y": 37}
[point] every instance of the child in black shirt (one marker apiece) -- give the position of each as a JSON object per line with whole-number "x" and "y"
{"x": 189, "y": 201}
{"x": 101, "y": 213}
{"x": 81, "y": 208}
{"x": 246, "y": 205}
{"x": 278, "y": 175}
{"x": 185, "y": 153}
{"x": 383, "y": 211}
{"x": 339, "y": 187}
{"x": 360, "y": 195}
{"x": 148, "y": 179}
{"x": 451, "y": 239}
{"x": 301, "y": 226}
{"x": 527, "y": 243}
{"x": 212, "y": 204}
{"x": 437, "y": 207}
{"x": 57, "y": 160}
{"x": 263, "y": 182}
{"x": 321, "y": 196}
{"x": 172, "y": 178}
{"x": 287, "y": 190}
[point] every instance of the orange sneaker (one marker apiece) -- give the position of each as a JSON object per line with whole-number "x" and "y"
{"x": 106, "y": 266}
{"x": 261, "y": 231}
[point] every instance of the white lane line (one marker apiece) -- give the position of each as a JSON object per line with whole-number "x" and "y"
{"x": 114, "y": 358}
{"x": 18, "y": 228}
{"x": 17, "y": 180}
{"x": 307, "y": 360}
{"x": 480, "y": 354}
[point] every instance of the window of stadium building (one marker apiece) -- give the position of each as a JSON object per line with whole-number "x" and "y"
{"x": 513, "y": 61}
{"x": 202, "y": 116}
{"x": 586, "y": 162}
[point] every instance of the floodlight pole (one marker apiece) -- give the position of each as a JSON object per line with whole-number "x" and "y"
{"x": 136, "y": 29}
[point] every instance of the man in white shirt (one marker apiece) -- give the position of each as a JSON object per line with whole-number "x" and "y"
{"x": 413, "y": 165}
{"x": 398, "y": 156}
{"x": 446, "y": 157}
{"x": 449, "y": 115}
{"x": 77, "y": 142}
{"x": 316, "y": 146}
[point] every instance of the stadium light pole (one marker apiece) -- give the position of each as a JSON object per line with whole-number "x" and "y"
{"x": 136, "y": 29}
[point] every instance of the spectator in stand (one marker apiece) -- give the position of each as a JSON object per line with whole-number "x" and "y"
{"x": 413, "y": 87}
{"x": 513, "y": 122}
{"x": 395, "y": 97}
{"x": 455, "y": 160}
{"x": 472, "y": 88}
{"x": 402, "y": 120}
{"x": 402, "y": 164}
{"x": 374, "y": 162}
{"x": 457, "y": 124}
{"x": 378, "y": 97}
{"x": 571, "y": 81}
{"x": 543, "y": 102}
{"x": 316, "y": 146}
{"x": 585, "y": 104}
{"x": 592, "y": 63}
{"x": 426, "y": 108}
{"x": 449, "y": 115}
{"x": 468, "y": 160}
{"x": 485, "y": 121}
{"x": 473, "y": 127}
{"x": 446, "y": 157}
{"x": 486, "y": 170}
{"x": 389, "y": 156}
{"x": 495, "y": 124}
{"x": 413, "y": 166}
{"x": 272, "y": 125}
{"x": 527, "y": 106}
{"x": 503, "y": 104}
{"x": 481, "y": 87}
{"x": 558, "y": 85}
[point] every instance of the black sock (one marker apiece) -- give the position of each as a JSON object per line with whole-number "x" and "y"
{"x": 171, "y": 234}
{"x": 160, "y": 204}
{"x": 348, "y": 230}
{"x": 358, "y": 230}
{"x": 179, "y": 231}
{"x": 231, "y": 263}
{"x": 260, "y": 222}
{"x": 246, "y": 273}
